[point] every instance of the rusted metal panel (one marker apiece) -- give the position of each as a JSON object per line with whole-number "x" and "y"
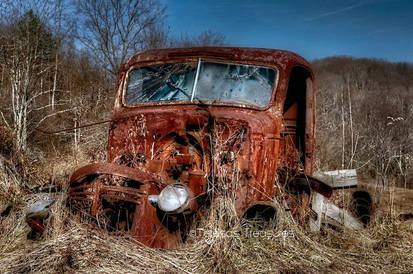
{"x": 310, "y": 125}
{"x": 138, "y": 175}
{"x": 211, "y": 148}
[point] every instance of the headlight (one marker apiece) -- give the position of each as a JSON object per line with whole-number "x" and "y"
{"x": 174, "y": 198}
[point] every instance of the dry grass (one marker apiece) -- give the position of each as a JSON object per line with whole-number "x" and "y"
{"x": 221, "y": 245}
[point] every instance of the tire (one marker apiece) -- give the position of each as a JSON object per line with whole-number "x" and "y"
{"x": 361, "y": 205}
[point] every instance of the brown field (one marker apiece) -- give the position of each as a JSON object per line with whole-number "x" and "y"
{"x": 385, "y": 245}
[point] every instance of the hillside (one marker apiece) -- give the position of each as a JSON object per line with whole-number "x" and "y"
{"x": 364, "y": 117}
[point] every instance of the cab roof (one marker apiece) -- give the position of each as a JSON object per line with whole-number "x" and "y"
{"x": 281, "y": 58}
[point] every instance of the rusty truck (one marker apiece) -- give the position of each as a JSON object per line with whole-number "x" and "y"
{"x": 193, "y": 124}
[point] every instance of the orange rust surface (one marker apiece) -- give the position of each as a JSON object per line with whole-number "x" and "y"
{"x": 214, "y": 149}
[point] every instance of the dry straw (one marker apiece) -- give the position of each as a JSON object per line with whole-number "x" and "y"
{"x": 219, "y": 243}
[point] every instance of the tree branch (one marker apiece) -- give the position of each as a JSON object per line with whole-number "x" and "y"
{"x": 52, "y": 114}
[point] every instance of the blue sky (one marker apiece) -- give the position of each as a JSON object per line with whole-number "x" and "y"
{"x": 314, "y": 29}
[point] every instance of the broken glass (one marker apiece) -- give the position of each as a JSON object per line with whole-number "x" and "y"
{"x": 166, "y": 82}
{"x": 216, "y": 82}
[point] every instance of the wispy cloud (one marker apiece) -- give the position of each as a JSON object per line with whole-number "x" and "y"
{"x": 342, "y": 10}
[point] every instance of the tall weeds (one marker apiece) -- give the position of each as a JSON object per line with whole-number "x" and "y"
{"x": 220, "y": 242}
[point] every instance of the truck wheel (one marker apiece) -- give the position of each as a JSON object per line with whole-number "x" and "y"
{"x": 261, "y": 216}
{"x": 361, "y": 206}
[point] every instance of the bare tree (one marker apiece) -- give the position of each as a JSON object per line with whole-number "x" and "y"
{"x": 63, "y": 26}
{"x": 28, "y": 49}
{"x": 204, "y": 39}
{"x": 156, "y": 37}
{"x": 115, "y": 29}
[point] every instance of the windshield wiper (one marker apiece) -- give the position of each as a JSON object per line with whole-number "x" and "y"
{"x": 169, "y": 84}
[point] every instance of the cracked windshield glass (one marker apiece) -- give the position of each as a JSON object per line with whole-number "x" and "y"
{"x": 205, "y": 82}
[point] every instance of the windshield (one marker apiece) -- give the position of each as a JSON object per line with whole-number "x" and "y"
{"x": 203, "y": 81}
